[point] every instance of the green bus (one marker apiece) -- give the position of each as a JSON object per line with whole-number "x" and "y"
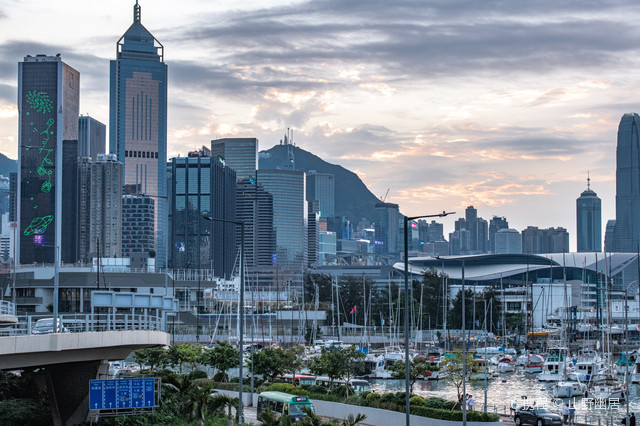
{"x": 284, "y": 404}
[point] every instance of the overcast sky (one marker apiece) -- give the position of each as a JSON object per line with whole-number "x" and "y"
{"x": 498, "y": 104}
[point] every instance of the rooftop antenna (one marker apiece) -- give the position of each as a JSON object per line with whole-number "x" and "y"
{"x": 136, "y": 12}
{"x": 588, "y": 181}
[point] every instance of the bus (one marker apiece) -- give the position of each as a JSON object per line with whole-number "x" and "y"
{"x": 300, "y": 379}
{"x": 284, "y": 404}
{"x": 358, "y": 385}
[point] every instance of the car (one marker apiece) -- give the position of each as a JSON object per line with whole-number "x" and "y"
{"x": 45, "y": 326}
{"x": 539, "y": 416}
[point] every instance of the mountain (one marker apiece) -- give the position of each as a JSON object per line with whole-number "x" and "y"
{"x": 7, "y": 165}
{"x": 353, "y": 198}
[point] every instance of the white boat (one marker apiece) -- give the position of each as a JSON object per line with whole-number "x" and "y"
{"x": 568, "y": 389}
{"x": 605, "y": 385}
{"x": 534, "y": 364}
{"x": 587, "y": 363}
{"x": 434, "y": 359}
{"x": 556, "y": 366}
{"x": 635, "y": 372}
{"x": 478, "y": 370}
{"x": 506, "y": 365}
{"x": 374, "y": 367}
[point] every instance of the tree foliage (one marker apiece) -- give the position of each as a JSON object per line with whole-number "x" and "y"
{"x": 338, "y": 363}
{"x": 222, "y": 357}
{"x": 453, "y": 365}
{"x": 270, "y": 363}
{"x": 419, "y": 368}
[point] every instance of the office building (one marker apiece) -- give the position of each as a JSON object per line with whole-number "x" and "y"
{"x": 241, "y": 154}
{"x": 254, "y": 207}
{"x": 202, "y": 186}
{"x": 609, "y": 236}
{"x": 387, "y": 225}
{"x": 138, "y": 119}
{"x": 627, "y": 228}
{"x": 70, "y": 213}
{"x": 508, "y": 241}
{"x": 313, "y": 220}
{"x": 48, "y": 104}
{"x": 326, "y": 245}
{"x": 589, "y": 221}
{"x": 495, "y": 224}
{"x": 106, "y": 207}
{"x": 321, "y": 187}
{"x": 92, "y": 137}
{"x": 288, "y": 188}
{"x": 137, "y": 225}
{"x": 84, "y": 209}
{"x": 551, "y": 240}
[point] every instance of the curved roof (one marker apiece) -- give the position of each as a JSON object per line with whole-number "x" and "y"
{"x": 485, "y": 267}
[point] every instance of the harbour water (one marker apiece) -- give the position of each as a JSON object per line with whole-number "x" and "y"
{"x": 523, "y": 388}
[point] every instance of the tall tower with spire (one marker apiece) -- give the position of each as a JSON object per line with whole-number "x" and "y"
{"x": 589, "y": 220}
{"x": 138, "y": 119}
{"x": 627, "y": 226}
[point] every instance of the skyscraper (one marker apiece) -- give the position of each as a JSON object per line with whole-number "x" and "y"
{"x": 48, "y": 104}
{"x": 321, "y": 187}
{"x": 201, "y": 185}
{"x": 241, "y": 154}
{"x": 627, "y": 227}
{"x": 496, "y": 224}
{"x": 138, "y": 118}
{"x": 106, "y": 207}
{"x": 92, "y": 136}
{"x": 387, "y": 225}
{"x": 588, "y": 212}
{"x": 290, "y": 216}
{"x": 137, "y": 224}
{"x": 254, "y": 207}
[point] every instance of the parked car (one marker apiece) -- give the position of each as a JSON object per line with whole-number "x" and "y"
{"x": 45, "y": 326}
{"x": 538, "y": 416}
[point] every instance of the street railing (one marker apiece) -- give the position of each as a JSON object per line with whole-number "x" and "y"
{"x": 7, "y": 308}
{"x": 78, "y": 323}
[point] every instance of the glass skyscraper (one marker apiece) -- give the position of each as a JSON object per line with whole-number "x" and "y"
{"x": 241, "y": 154}
{"x": 589, "y": 220}
{"x": 627, "y": 226}
{"x": 321, "y": 187}
{"x": 138, "y": 119}
{"x": 290, "y": 215}
{"x": 201, "y": 186}
{"x": 48, "y": 104}
{"x": 92, "y": 137}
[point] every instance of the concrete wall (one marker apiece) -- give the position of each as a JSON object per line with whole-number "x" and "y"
{"x": 375, "y": 416}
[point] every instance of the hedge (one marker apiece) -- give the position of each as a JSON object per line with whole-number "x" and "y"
{"x": 456, "y": 416}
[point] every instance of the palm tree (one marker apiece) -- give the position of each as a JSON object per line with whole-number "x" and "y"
{"x": 225, "y": 401}
{"x": 353, "y": 421}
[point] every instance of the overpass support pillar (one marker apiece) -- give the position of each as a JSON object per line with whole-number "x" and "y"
{"x": 68, "y": 389}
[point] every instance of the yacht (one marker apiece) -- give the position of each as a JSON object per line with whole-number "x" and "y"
{"x": 556, "y": 366}
{"x": 605, "y": 385}
{"x": 506, "y": 365}
{"x": 587, "y": 363}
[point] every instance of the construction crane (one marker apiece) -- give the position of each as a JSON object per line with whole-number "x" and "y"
{"x": 384, "y": 198}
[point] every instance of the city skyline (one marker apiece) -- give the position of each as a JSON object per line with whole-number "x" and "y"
{"x": 500, "y": 106}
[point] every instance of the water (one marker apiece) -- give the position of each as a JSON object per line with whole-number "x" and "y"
{"x": 517, "y": 386}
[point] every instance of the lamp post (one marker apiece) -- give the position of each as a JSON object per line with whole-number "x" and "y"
{"x": 240, "y": 308}
{"x": 464, "y": 341}
{"x": 406, "y": 306}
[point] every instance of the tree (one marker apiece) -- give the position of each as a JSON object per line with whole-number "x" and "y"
{"x": 222, "y": 357}
{"x": 152, "y": 357}
{"x": 293, "y": 360}
{"x": 452, "y": 367}
{"x": 419, "y": 368}
{"x": 338, "y": 363}
{"x": 225, "y": 401}
{"x": 179, "y": 354}
{"x": 190, "y": 399}
{"x": 270, "y": 363}
{"x": 455, "y": 314}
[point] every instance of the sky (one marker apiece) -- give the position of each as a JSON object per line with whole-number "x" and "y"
{"x": 502, "y": 105}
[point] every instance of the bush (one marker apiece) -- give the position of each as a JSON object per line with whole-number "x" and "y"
{"x": 456, "y": 416}
{"x": 417, "y": 400}
{"x": 372, "y": 398}
{"x": 25, "y": 412}
{"x": 340, "y": 390}
{"x": 315, "y": 389}
{"x": 198, "y": 374}
{"x": 441, "y": 404}
{"x": 288, "y": 388}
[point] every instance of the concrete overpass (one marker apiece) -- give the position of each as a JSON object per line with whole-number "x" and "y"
{"x": 69, "y": 360}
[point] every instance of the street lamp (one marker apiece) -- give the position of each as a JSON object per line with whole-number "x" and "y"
{"x": 240, "y": 308}
{"x": 406, "y": 306}
{"x": 464, "y": 342}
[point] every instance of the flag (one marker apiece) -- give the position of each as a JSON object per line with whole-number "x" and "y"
{"x": 353, "y": 311}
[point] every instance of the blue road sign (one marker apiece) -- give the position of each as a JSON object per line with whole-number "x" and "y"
{"x": 121, "y": 393}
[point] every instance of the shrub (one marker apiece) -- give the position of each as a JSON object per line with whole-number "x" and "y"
{"x": 372, "y": 398}
{"x": 288, "y": 388}
{"x": 25, "y": 412}
{"x": 198, "y": 374}
{"x": 340, "y": 390}
{"x": 439, "y": 403}
{"x": 315, "y": 389}
{"x": 417, "y": 400}
{"x": 456, "y": 416}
